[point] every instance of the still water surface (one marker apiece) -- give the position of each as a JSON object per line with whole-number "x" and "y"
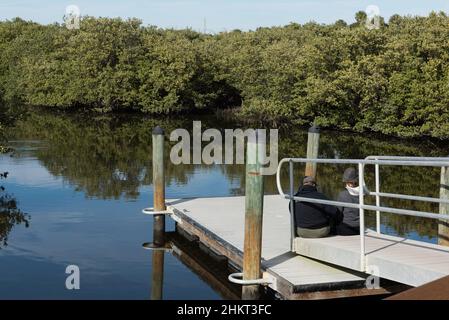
{"x": 80, "y": 183}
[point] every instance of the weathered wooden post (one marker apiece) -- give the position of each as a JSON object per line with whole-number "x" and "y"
{"x": 313, "y": 142}
{"x": 158, "y": 219}
{"x": 443, "y": 225}
{"x": 158, "y": 182}
{"x": 253, "y": 216}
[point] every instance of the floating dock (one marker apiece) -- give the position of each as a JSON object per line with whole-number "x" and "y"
{"x": 219, "y": 225}
{"x": 400, "y": 259}
{"x": 300, "y": 268}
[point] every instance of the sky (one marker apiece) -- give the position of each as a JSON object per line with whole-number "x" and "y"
{"x": 216, "y": 15}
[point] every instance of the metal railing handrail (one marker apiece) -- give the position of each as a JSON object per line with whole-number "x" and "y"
{"x": 424, "y": 163}
{"x": 408, "y": 197}
{"x": 406, "y": 158}
{"x": 443, "y": 162}
{"x": 379, "y": 194}
{"x": 428, "y": 163}
{"x": 406, "y": 212}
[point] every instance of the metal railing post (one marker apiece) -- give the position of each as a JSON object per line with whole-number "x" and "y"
{"x": 443, "y": 226}
{"x": 362, "y": 218}
{"x": 377, "y": 174}
{"x": 292, "y": 207}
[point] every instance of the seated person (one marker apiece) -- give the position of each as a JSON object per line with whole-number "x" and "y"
{"x": 314, "y": 220}
{"x": 351, "y": 222}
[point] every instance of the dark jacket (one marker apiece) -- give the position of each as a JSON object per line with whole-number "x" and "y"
{"x": 314, "y": 215}
{"x": 350, "y": 215}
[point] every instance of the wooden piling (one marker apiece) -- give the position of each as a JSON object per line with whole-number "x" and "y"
{"x": 443, "y": 225}
{"x": 158, "y": 219}
{"x": 313, "y": 142}
{"x": 158, "y": 183}
{"x": 254, "y": 189}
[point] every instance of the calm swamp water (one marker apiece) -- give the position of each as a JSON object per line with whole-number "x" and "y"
{"x": 80, "y": 183}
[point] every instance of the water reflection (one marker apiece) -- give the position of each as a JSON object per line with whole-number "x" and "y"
{"x": 10, "y": 214}
{"x": 211, "y": 268}
{"x": 158, "y": 246}
{"x": 109, "y": 157}
{"x": 157, "y": 270}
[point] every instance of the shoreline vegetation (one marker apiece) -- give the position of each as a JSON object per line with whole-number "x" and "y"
{"x": 393, "y": 80}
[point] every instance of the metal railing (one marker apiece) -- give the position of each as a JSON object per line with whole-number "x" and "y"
{"x": 377, "y": 161}
{"x": 379, "y": 194}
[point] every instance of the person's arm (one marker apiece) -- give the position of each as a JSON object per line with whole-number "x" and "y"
{"x": 341, "y": 198}
{"x": 334, "y": 212}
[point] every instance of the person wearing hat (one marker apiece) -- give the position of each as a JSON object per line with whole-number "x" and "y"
{"x": 351, "y": 221}
{"x": 314, "y": 220}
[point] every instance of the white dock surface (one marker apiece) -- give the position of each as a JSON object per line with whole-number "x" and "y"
{"x": 224, "y": 217}
{"x": 399, "y": 259}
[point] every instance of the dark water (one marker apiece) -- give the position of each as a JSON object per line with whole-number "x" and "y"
{"x": 80, "y": 183}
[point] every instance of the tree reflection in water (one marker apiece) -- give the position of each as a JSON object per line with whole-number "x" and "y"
{"x": 10, "y": 214}
{"x": 109, "y": 156}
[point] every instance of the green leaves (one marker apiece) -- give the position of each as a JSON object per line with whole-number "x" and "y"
{"x": 392, "y": 80}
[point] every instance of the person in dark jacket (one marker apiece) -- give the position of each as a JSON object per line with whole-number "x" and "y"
{"x": 351, "y": 222}
{"x": 314, "y": 220}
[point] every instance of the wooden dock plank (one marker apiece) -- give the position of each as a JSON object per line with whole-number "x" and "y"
{"x": 435, "y": 290}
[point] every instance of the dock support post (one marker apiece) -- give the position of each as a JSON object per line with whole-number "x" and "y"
{"x": 313, "y": 142}
{"x": 158, "y": 181}
{"x": 254, "y": 189}
{"x": 159, "y": 219}
{"x": 443, "y": 225}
